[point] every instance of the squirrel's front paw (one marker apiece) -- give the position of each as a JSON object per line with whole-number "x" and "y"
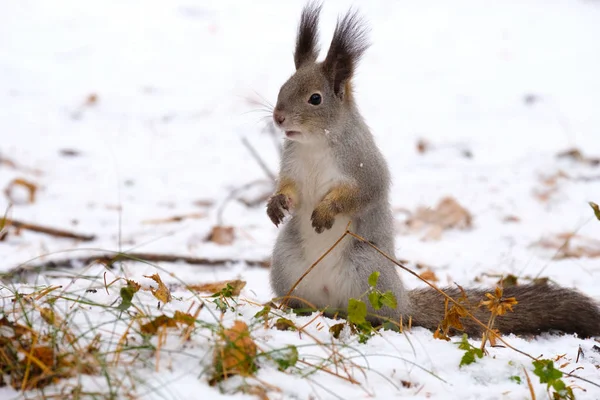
{"x": 275, "y": 206}
{"x": 322, "y": 218}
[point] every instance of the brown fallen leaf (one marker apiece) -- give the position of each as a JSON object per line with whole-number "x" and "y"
{"x": 162, "y": 293}
{"x": 234, "y": 354}
{"x": 571, "y": 245}
{"x": 549, "y": 185}
{"x": 216, "y": 287}
{"x": 576, "y": 155}
{"x": 151, "y": 328}
{"x": 284, "y": 324}
{"x": 20, "y": 182}
{"x": 508, "y": 281}
{"x": 429, "y": 275}
{"x": 423, "y": 146}
{"x": 91, "y": 100}
{"x": 448, "y": 214}
{"x": 223, "y": 235}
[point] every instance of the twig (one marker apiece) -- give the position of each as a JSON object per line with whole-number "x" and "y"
{"x": 110, "y": 258}
{"x": 49, "y": 231}
{"x": 287, "y": 296}
{"x": 531, "y": 391}
{"x": 477, "y": 321}
{"x": 233, "y": 195}
{"x": 258, "y": 159}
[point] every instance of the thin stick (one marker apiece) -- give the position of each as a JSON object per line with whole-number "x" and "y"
{"x": 258, "y": 159}
{"x": 287, "y": 296}
{"x": 531, "y": 391}
{"x": 49, "y": 231}
{"x": 484, "y": 326}
{"x": 111, "y": 258}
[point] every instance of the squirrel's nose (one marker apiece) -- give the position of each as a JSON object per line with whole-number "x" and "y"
{"x": 278, "y": 117}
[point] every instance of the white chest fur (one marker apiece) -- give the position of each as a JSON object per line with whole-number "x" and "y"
{"x": 315, "y": 171}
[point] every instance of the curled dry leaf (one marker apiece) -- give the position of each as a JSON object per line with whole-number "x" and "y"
{"x": 223, "y": 235}
{"x": 235, "y": 353}
{"x": 570, "y": 245}
{"x": 216, "y": 287}
{"x": 30, "y": 187}
{"x": 448, "y": 214}
{"x": 162, "y": 293}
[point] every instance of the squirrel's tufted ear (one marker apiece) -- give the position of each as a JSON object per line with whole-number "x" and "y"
{"x": 347, "y": 46}
{"x": 307, "y": 46}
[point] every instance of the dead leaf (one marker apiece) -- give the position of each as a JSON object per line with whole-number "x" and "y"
{"x": 284, "y": 324}
{"x": 438, "y": 334}
{"x": 223, "y": 235}
{"x": 508, "y": 281}
{"x": 162, "y": 293}
{"x": 91, "y": 100}
{"x": 429, "y": 275}
{"x": 203, "y": 203}
{"x": 259, "y": 391}
{"x": 407, "y": 384}
{"x": 549, "y": 186}
{"x": 235, "y": 353}
{"x": 216, "y": 287}
{"x": 151, "y": 328}
{"x": 576, "y": 155}
{"x": 448, "y": 214}
{"x": 571, "y": 245}
{"x": 423, "y": 146}
{"x": 20, "y": 182}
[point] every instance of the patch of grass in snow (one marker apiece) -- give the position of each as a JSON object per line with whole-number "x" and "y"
{"x": 108, "y": 333}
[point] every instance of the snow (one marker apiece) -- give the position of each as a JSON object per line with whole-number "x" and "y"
{"x": 178, "y": 85}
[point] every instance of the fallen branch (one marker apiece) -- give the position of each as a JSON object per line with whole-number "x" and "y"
{"x": 49, "y": 231}
{"x": 110, "y": 258}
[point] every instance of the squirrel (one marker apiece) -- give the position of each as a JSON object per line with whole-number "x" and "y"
{"x": 332, "y": 173}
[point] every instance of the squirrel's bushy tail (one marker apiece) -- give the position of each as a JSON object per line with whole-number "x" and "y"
{"x": 540, "y": 308}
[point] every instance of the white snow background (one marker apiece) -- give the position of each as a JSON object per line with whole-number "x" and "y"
{"x": 177, "y": 83}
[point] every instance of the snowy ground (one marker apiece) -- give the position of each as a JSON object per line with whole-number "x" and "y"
{"x": 513, "y": 83}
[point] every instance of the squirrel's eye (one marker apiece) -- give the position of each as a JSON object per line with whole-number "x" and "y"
{"x": 315, "y": 99}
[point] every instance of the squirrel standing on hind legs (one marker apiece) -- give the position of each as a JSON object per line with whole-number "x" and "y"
{"x": 332, "y": 173}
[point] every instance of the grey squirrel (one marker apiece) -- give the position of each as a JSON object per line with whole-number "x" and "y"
{"x": 332, "y": 173}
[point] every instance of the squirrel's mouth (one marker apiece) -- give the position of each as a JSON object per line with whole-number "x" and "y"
{"x": 291, "y": 134}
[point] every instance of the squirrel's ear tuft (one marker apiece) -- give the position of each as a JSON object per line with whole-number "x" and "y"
{"x": 347, "y": 46}
{"x": 307, "y": 47}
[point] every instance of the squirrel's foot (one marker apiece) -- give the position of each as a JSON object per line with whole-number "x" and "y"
{"x": 276, "y": 205}
{"x": 322, "y": 218}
